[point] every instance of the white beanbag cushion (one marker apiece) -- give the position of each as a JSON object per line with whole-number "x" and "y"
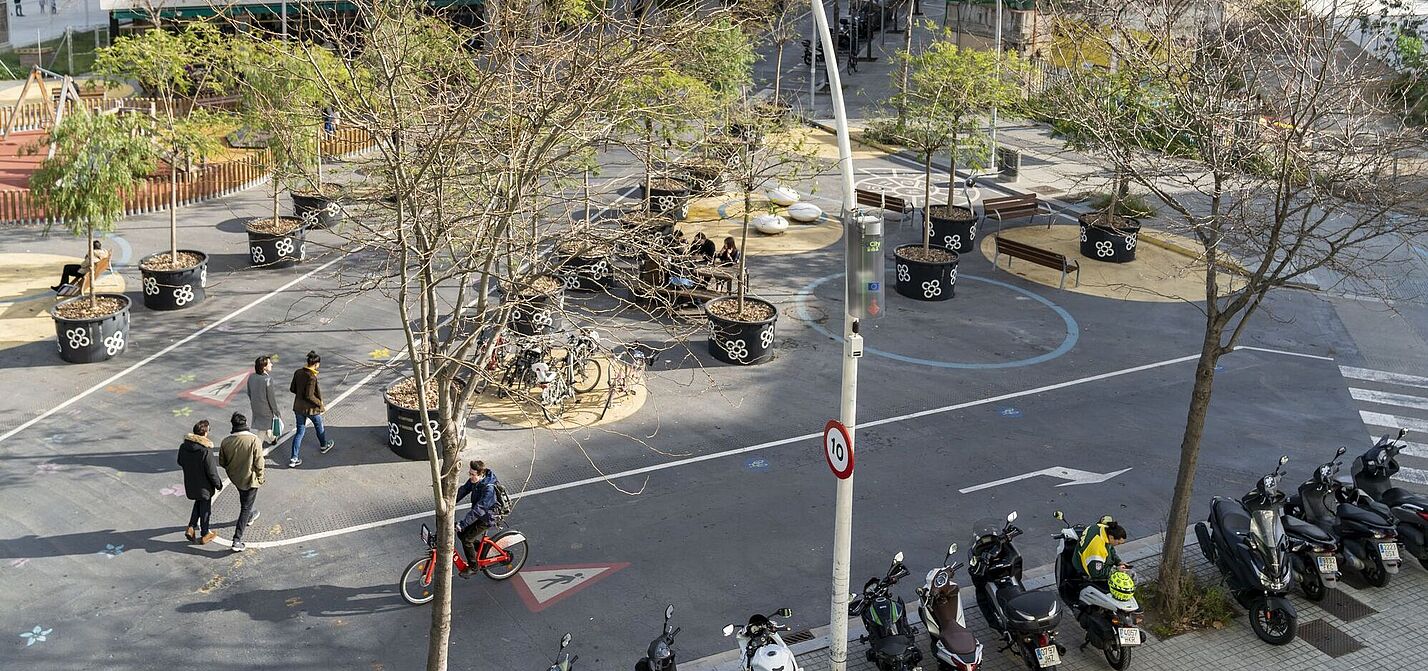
{"x": 770, "y": 224}
{"x": 804, "y": 212}
{"x": 783, "y": 196}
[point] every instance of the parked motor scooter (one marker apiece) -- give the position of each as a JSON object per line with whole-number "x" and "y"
{"x": 844, "y": 43}
{"x": 763, "y": 648}
{"x": 1313, "y": 555}
{"x": 1373, "y": 474}
{"x": 1111, "y": 617}
{"x": 1025, "y": 620}
{"x": 564, "y": 661}
{"x": 1245, "y": 540}
{"x": 892, "y": 645}
{"x": 940, "y": 605}
{"x": 1366, "y": 529}
{"x": 660, "y": 656}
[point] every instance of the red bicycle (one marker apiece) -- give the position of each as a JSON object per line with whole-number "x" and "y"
{"x": 499, "y": 557}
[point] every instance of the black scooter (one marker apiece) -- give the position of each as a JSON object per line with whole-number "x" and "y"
{"x": 1026, "y": 621}
{"x": 1373, "y": 473}
{"x": 1366, "y": 529}
{"x": 564, "y": 661}
{"x": 1245, "y": 540}
{"x": 844, "y": 40}
{"x": 892, "y": 644}
{"x": 660, "y": 656}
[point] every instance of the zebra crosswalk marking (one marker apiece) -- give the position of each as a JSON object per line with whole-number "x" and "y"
{"x": 1385, "y": 408}
{"x": 1388, "y": 398}
{"x": 1394, "y": 421}
{"x": 1383, "y": 376}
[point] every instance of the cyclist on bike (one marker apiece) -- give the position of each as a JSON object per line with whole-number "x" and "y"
{"x": 482, "y": 488}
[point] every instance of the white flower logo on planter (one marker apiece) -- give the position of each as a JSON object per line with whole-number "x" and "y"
{"x": 932, "y": 288}
{"x": 736, "y": 349}
{"x": 902, "y": 273}
{"x": 1130, "y": 242}
{"x": 284, "y": 246}
{"x": 394, "y": 435}
{"x": 435, "y": 432}
{"x": 1105, "y": 248}
{"x": 1083, "y": 233}
{"x": 333, "y": 208}
{"x": 258, "y": 254}
{"x": 766, "y": 336}
{"x": 183, "y": 294}
{"x": 952, "y": 276}
{"x": 302, "y": 251}
{"x": 541, "y": 319}
{"x": 309, "y": 217}
{"x": 953, "y": 242}
{"x": 972, "y": 232}
{"x": 203, "y": 276}
{"x": 664, "y": 203}
{"x": 570, "y": 281}
{"x": 151, "y": 286}
{"x": 684, "y": 211}
{"x": 78, "y": 338}
{"x": 114, "y": 344}
{"x": 600, "y": 270}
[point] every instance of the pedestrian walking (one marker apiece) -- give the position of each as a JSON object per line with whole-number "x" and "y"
{"x": 19, "y": 10}
{"x": 200, "y": 480}
{"x": 241, "y": 455}
{"x": 53, "y": 10}
{"x": 265, "y": 421}
{"x": 307, "y": 406}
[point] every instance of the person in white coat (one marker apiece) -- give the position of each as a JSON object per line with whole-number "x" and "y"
{"x": 264, "y": 403}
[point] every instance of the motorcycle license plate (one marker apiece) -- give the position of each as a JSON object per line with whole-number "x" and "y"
{"x": 1047, "y": 656}
{"x": 1328, "y": 564}
{"x": 1128, "y": 635}
{"x": 1388, "y": 551}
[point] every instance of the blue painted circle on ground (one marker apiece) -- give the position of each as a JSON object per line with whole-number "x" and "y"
{"x": 1073, "y": 330}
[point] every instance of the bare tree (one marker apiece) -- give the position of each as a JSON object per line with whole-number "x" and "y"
{"x": 1271, "y": 146}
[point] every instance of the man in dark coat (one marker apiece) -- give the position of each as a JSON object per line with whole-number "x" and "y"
{"x": 308, "y": 406}
{"x": 482, "y": 487}
{"x": 200, "y": 480}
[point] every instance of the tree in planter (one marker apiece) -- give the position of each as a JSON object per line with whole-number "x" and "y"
{"x": 175, "y": 67}
{"x": 1317, "y": 194}
{"x": 464, "y": 153}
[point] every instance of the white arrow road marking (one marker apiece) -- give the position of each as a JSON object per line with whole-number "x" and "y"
{"x": 1394, "y": 421}
{"x": 1383, "y": 376}
{"x": 1388, "y": 398}
{"x": 1075, "y": 476}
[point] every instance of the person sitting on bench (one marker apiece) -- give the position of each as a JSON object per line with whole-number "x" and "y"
{"x": 729, "y": 254}
{"x": 702, "y": 248}
{"x": 73, "y": 272}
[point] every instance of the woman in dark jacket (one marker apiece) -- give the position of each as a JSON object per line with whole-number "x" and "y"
{"x": 200, "y": 480}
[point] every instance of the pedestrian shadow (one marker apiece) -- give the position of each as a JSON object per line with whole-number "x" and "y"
{"x": 110, "y": 542}
{"x": 282, "y": 605}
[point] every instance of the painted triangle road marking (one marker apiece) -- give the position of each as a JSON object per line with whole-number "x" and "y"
{"x": 219, "y": 392}
{"x": 542, "y": 586}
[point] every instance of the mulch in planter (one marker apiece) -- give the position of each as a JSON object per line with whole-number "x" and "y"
{"x": 952, "y": 212}
{"x": 80, "y": 309}
{"x": 163, "y": 262}
{"x": 930, "y": 255}
{"x": 279, "y": 226}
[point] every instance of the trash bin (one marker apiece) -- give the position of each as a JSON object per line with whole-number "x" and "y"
{"x": 1008, "y": 162}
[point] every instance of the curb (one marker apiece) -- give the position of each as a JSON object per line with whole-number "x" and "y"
{"x": 1034, "y": 578}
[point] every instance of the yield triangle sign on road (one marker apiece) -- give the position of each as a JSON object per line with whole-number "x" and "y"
{"x": 219, "y": 392}
{"x": 542, "y": 586}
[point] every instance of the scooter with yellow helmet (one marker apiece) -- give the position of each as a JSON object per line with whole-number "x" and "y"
{"x": 1110, "y": 616}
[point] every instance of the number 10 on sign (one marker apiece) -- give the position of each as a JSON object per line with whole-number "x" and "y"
{"x": 838, "y": 448}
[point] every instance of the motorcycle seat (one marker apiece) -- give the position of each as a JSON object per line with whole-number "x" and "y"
{"x": 1231, "y": 517}
{"x": 954, "y": 637}
{"x": 1007, "y": 593}
{"x": 894, "y": 646}
{"x": 1033, "y": 604}
{"x": 1297, "y": 527}
{"x": 1352, "y": 513}
{"x": 1396, "y": 497}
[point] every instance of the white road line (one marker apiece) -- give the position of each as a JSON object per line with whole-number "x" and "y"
{"x": 1269, "y": 350}
{"x": 753, "y": 448}
{"x": 147, "y": 360}
{"x": 1394, "y": 421}
{"x": 1383, "y": 376}
{"x": 1388, "y": 398}
{"x": 1413, "y": 475}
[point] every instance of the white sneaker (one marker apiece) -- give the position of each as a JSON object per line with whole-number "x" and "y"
{"x": 254, "y": 517}
{"x": 239, "y": 546}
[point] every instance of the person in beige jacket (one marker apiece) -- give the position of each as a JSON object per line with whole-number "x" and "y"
{"x": 241, "y": 455}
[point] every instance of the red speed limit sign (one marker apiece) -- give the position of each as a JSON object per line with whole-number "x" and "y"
{"x": 838, "y": 448}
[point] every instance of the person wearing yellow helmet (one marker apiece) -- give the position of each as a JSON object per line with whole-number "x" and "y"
{"x": 1096, "y": 553}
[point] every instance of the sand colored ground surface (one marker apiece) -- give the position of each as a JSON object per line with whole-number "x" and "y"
{"x": 584, "y": 410}
{"x": 1158, "y": 274}
{"x": 25, "y": 295}
{"x": 821, "y": 144}
{"x": 723, "y": 215}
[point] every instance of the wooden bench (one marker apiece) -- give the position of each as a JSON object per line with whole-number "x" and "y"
{"x": 1037, "y": 255}
{"x": 100, "y": 267}
{"x": 654, "y": 274}
{"x": 1008, "y": 208}
{"x": 882, "y": 201}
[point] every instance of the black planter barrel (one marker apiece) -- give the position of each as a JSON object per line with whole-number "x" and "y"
{"x": 925, "y": 281}
{"x": 317, "y": 211}
{"x": 404, "y": 434}
{"x": 739, "y": 342}
{"x": 266, "y": 250}
{"x": 954, "y": 234}
{"x": 669, "y": 201}
{"x": 174, "y": 289}
{"x": 1112, "y": 245}
{"x": 539, "y": 315}
{"x": 93, "y": 340}
{"x": 587, "y": 271}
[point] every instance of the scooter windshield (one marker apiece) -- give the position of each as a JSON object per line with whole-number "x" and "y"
{"x": 1268, "y": 529}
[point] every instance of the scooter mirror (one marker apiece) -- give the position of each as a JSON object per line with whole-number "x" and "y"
{"x": 564, "y": 641}
{"x": 1337, "y": 453}
{"x": 784, "y": 612}
{"x": 952, "y": 549}
{"x": 1402, "y": 433}
{"x": 897, "y": 558}
{"x": 1011, "y": 517}
{"x": 1285, "y": 458}
{"x": 728, "y": 629}
{"x": 1059, "y": 516}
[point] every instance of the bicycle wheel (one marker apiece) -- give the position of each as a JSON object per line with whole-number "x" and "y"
{"x": 518, "y": 551}
{"x": 585, "y": 375}
{"x": 414, "y": 585}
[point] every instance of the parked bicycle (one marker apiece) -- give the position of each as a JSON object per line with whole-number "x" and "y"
{"x": 499, "y": 557}
{"x": 627, "y": 372}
